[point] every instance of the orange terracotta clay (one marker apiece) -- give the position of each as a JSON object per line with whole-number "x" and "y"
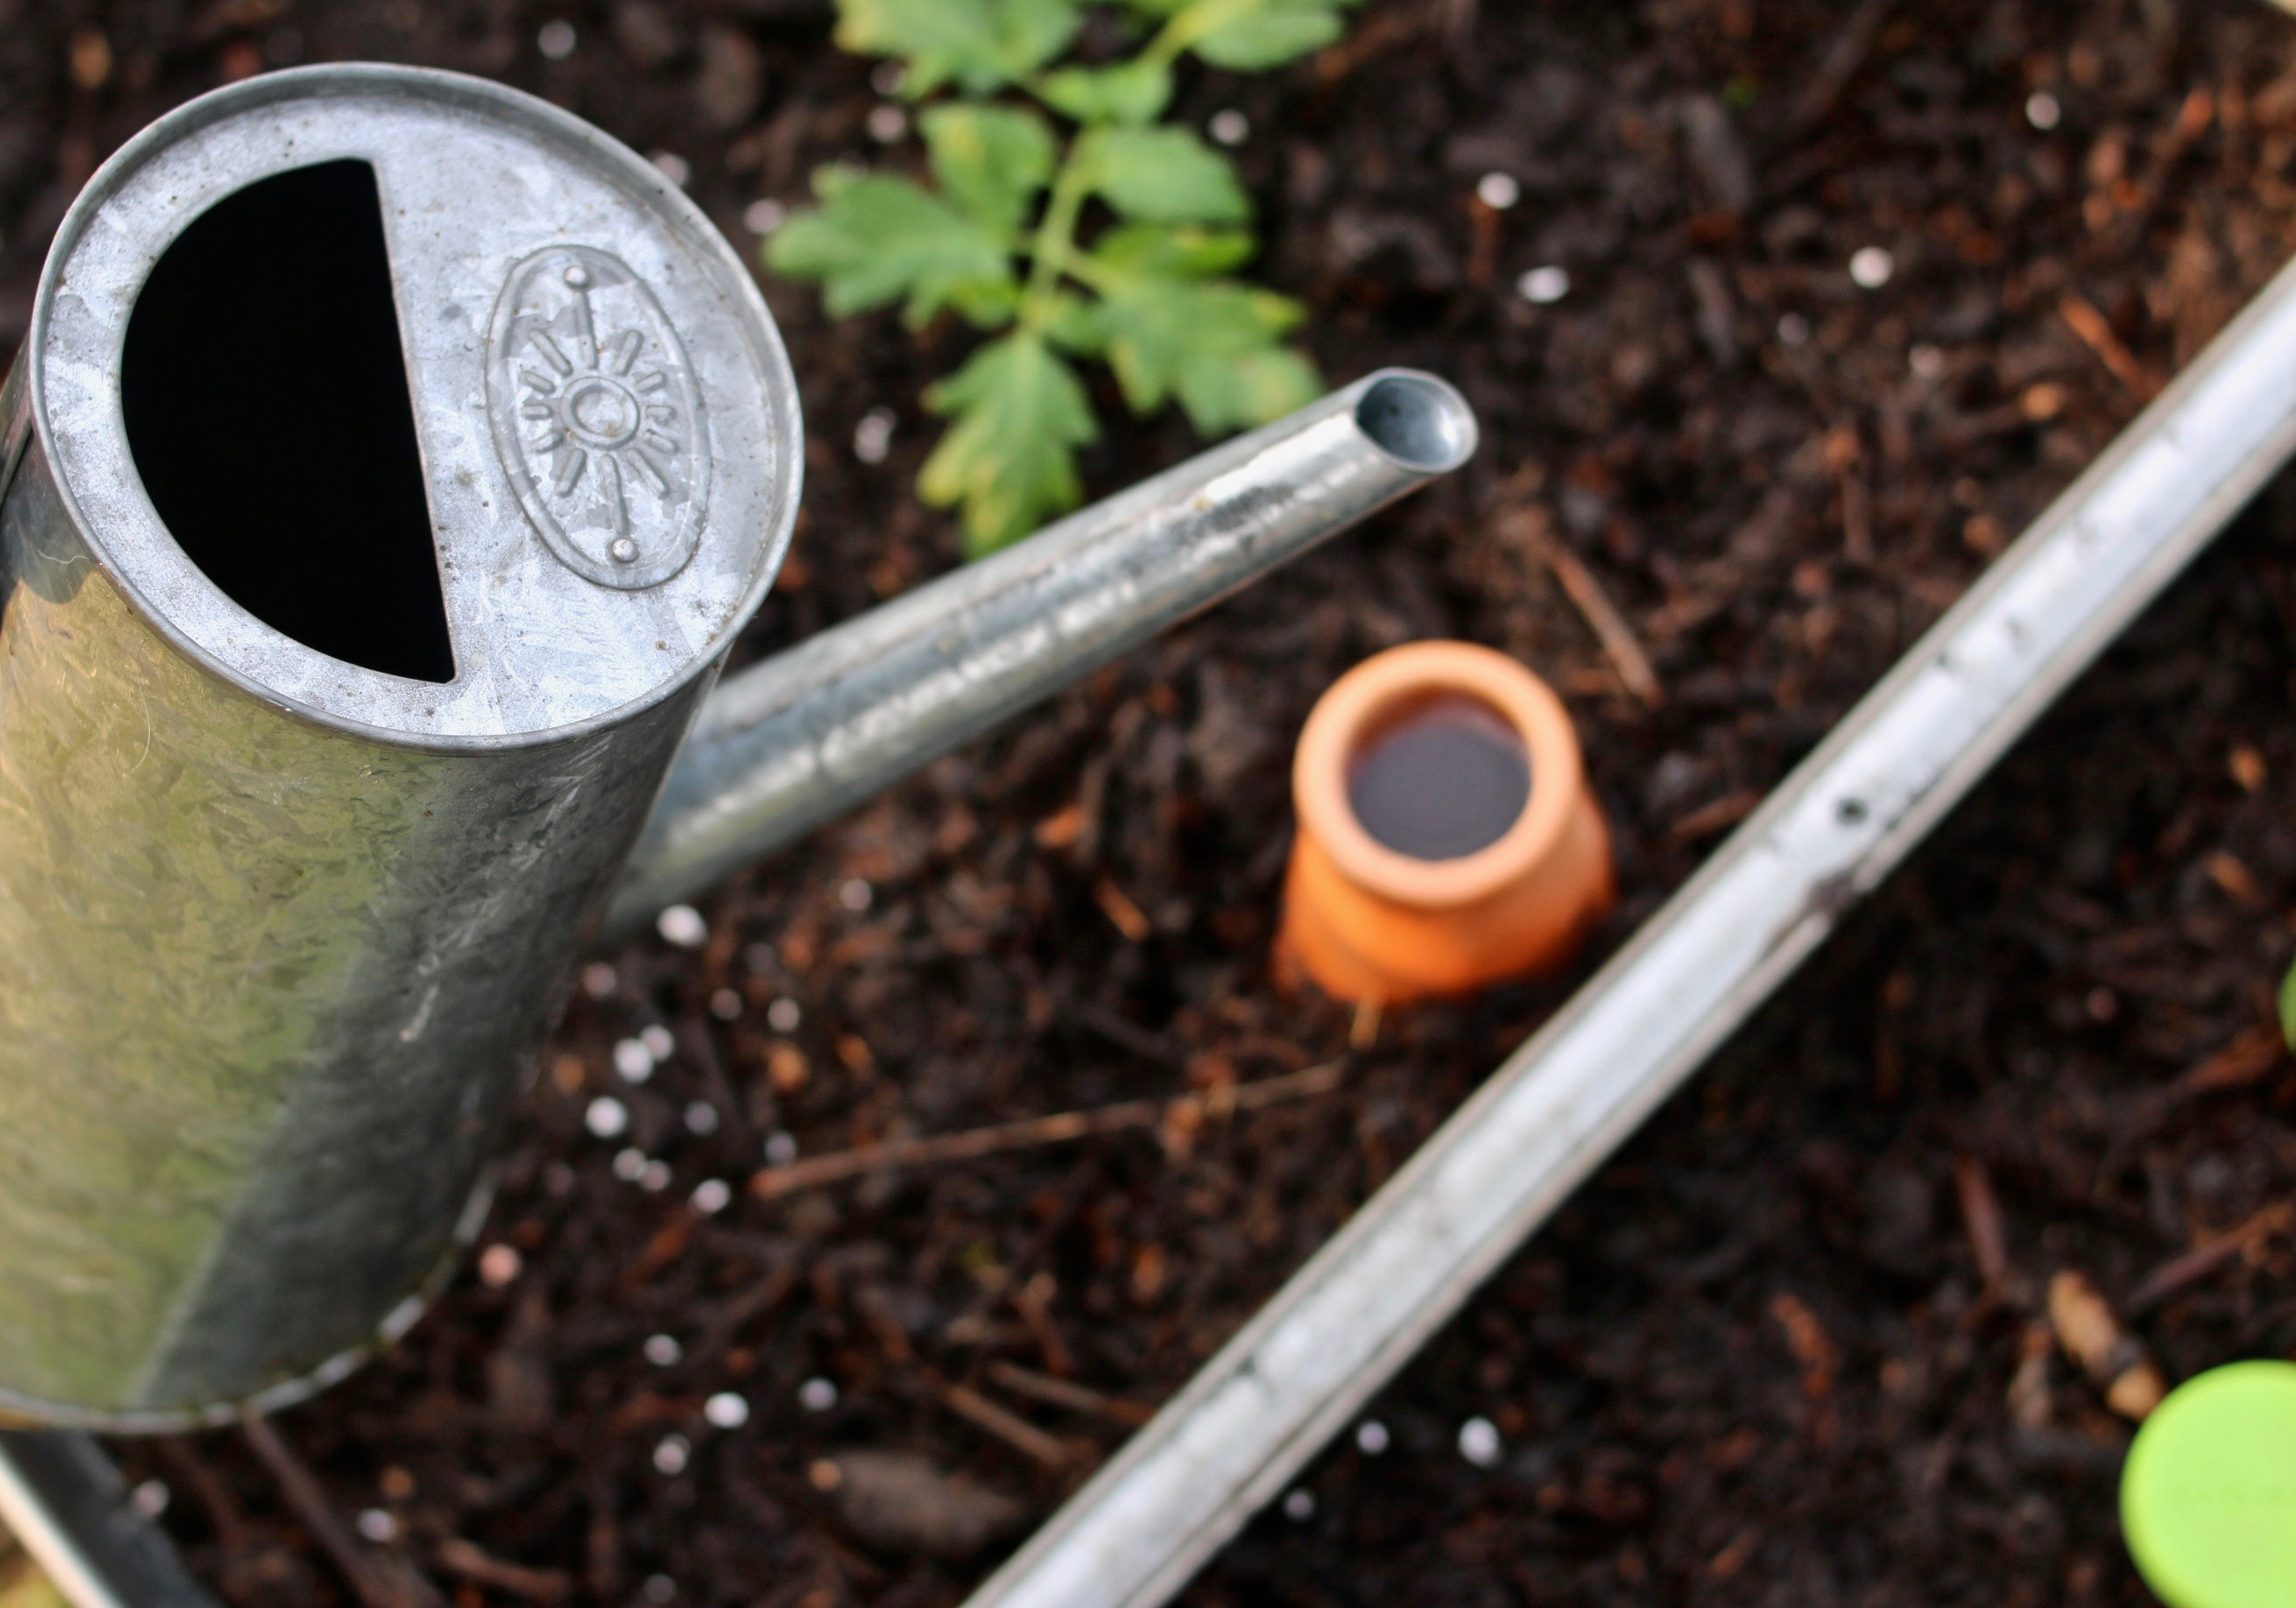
{"x": 1366, "y": 923}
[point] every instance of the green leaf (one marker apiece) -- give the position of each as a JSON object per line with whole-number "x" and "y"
{"x": 1010, "y": 458}
{"x": 1250, "y": 389}
{"x": 987, "y": 304}
{"x": 1165, "y": 176}
{"x": 1188, "y": 251}
{"x": 2288, "y": 1007}
{"x": 1132, "y": 93}
{"x": 1213, "y": 344}
{"x": 981, "y": 44}
{"x": 1270, "y": 33}
{"x": 1075, "y": 326}
{"x": 876, "y": 238}
{"x": 991, "y": 161}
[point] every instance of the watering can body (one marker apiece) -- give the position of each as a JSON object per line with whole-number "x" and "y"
{"x": 318, "y": 764}
{"x": 278, "y": 926}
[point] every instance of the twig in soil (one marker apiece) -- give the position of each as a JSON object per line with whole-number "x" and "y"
{"x": 1619, "y": 644}
{"x": 1363, "y": 1032}
{"x": 1844, "y": 458}
{"x": 668, "y": 1244}
{"x": 2194, "y": 1265}
{"x": 2239, "y": 1064}
{"x": 1122, "y": 914}
{"x": 376, "y": 1582}
{"x": 1125, "y": 1035}
{"x": 772, "y": 1182}
{"x": 699, "y": 1045}
{"x": 1708, "y": 819}
{"x": 2197, "y": 111}
{"x": 1459, "y": 19}
{"x": 1076, "y": 1397}
{"x": 1009, "y": 1427}
{"x": 1735, "y": 1557}
{"x": 2092, "y": 1336}
{"x": 1980, "y": 1216}
{"x": 224, "y": 1514}
{"x": 2095, "y": 331}
{"x": 601, "y": 1537}
{"x": 1852, "y": 43}
{"x": 473, "y": 1562}
{"x": 2244, "y": 1062}
{"x": 1610, "y": 627}
{"x": 1380, "y": 33}
{"x": 1031, "y": 1297}
{"x": 723, "y": 1326}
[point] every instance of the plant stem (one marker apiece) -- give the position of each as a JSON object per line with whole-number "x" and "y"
{"x": 1052, "y": 250}
{"x": 1053, "y": 247}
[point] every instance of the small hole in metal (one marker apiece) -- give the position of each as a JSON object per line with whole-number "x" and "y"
{"x": 1850, "y": 812}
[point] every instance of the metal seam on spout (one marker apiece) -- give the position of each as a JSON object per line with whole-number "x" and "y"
{"x": 794, "y": 741}
{"x": 1262, "y": 1408}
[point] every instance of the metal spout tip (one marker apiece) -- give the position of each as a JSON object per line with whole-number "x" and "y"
{"x": 1420, "y": 421}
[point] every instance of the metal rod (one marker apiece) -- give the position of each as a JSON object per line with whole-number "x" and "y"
{"x": 65, "y": 1501}
{"x": 801, "y": 739}
{"x": 1260, "y": 1409}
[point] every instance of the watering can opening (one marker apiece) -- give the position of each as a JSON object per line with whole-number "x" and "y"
{"x": 266, "y": 407}
{"x": 1417, "y": 420}
{"x": 416, "y": 406}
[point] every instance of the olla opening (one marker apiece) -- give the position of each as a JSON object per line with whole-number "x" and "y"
{"x": 1439, "y": 776}
{"x": 1437, "y": 773}
{"x": 1446, "y": 838}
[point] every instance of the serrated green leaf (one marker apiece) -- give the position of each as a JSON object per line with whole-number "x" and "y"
{"x": 1074, "y": 324}
{"x": 1010, "y": 458}
{"x": 1269, "y": 33}
{"x": 876, "y": 238}
{"x": 1189, "y": 250}
{"x": 1132, "y": 93}
{"x": 2288, "y": 1007}
{"x": 986, "y": 304}
{"x": 1211, "y": 344}
{"x": 982, "y": 44}
{"x": 1248, "y": 390}
{"x": 991, "y": 161}
{"x": 1165, "y": 176}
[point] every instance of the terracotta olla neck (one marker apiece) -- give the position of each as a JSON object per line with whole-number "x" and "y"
{"x": 1364, "y": 918}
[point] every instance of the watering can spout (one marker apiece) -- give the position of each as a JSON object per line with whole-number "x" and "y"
{"x": 793, "y": 742}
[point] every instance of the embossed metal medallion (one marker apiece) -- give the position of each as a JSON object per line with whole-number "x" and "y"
{"x": 597, "y": 418}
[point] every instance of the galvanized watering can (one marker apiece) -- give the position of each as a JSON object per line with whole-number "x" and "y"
{"x": 391, "y": 464}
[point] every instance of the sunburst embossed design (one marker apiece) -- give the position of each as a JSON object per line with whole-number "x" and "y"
{"x": 590, "y": 407}
{"x": 597, "y": 418}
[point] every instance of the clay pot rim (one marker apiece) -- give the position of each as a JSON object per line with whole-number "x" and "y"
{"x": 1415, "y": 671}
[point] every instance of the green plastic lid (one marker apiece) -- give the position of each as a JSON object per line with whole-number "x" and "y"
{"x": 2207, "y": 1498}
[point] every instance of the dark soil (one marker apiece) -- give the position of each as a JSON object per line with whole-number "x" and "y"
{"x": 1793, "y": 1346}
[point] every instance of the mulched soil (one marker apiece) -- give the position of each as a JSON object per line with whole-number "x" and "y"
{"x": 1795, "y": 1345}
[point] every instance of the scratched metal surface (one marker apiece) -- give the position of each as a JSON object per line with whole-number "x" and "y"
{"x": 277, "y": 934}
